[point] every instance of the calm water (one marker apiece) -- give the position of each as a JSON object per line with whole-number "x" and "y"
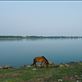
{"x": 20, "y": 52}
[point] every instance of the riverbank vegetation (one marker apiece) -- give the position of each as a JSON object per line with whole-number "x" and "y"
{"x": 40, "y": 37}
{"x": 70, "y": 72}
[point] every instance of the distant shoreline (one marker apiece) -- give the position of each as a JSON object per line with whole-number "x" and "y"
{"x": 40, "y": 37}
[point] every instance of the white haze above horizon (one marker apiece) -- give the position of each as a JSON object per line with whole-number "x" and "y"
{"x": 49, "y": 18}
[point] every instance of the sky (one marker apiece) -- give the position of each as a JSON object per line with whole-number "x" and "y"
{"x": 44, "y": 18}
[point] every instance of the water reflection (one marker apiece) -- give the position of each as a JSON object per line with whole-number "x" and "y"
{"x": 22, "y": 51}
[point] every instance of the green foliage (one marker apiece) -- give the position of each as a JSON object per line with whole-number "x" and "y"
{"x": 47, "y": 74}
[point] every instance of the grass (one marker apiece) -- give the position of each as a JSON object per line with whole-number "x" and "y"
{"x": 73, "y": 73}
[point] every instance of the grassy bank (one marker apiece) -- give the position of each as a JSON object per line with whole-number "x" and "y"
{"x": 63, "y": 73}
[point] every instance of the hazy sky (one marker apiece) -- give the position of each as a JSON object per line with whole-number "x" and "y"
{"x": 40, "y": 18}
